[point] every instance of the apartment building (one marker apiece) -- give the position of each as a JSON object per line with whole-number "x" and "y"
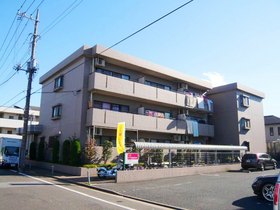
{"x": 92, "y": 90}
{"x": 11, "y": 120}
{"x": 272, "y": 134}
{"x": 238, "y": 116}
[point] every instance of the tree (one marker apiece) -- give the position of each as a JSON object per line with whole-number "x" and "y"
{"x": 41, "y": 148}
{"x": 90, "y": 151}
{"x": 32, "y": 151}
{"x": 55, "y": 151}
{"x": 66, "y": 152}
{"x": 75, "y": 152}
{"x": 107, "y": 151}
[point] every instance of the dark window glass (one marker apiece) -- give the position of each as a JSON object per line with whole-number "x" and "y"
{"x": 106, "y": 106}
{"x": 126, "y": 77}
{"x": 271, "y": 131}
{"x": 9, "y": 132}
{"x": 278, "y": 131}
{"x": 116, "y": 107}
{"x": 124, "y": 108}
{"x": 97, "y": 104}
{"x": 56, "y": 111}
{"x": 11, "y": 117}
{"x": 58, "y": 82}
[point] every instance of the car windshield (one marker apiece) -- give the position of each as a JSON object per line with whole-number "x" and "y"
{"x": 249, "y": 156}
{"x": 11, "y": 151}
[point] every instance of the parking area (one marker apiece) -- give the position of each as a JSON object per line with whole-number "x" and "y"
{"x": 227, "y": 190}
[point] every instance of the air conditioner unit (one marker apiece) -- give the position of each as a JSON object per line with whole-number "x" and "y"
{"x": 98, "y": 131}
{"x": 100, "y": 62}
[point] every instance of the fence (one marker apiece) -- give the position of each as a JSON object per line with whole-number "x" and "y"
{"x": 159, "y": 158}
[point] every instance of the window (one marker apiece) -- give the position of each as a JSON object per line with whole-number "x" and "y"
{"x": 245, "y": 101}
{"x": 58, "y": 83}
{"x": 110, "y": 106}
{"x": 154, "y": 84}
{"x": 114, "y": 74}
{"x": 11, "y": 117}
{"x": 9, "y": 132}
{"x": 271, "y": 131}
{"x": 246, "y": 124}
{"x": 20, "y": 117}
{"x": 1, "y": 115}
{"x": 56, "y": 111}
{"x": 278, "y": 131}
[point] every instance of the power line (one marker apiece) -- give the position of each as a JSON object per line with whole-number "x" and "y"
{"x": 13, "y": 97}
{"x": 11, "y": 26}
{"x": 8, "y": 79}
{"x": 60, "y": 17}
{"x": 169, "y": 13}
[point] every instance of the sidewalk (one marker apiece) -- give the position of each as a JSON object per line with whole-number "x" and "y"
{"x": 105, "y": 185}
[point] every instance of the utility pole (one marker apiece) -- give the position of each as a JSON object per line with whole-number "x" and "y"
{"x": 31, "y": 69}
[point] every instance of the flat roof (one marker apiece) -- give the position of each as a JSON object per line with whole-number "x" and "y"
{"x": 125, "y": 60}
{"x": 236, "y": 86}
{"x": 151, "y": 145}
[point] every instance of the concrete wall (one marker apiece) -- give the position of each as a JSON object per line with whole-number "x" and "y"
{"x": 152, "y": 174}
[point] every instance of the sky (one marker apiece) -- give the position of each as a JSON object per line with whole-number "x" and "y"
{"x": 219, "y": 41}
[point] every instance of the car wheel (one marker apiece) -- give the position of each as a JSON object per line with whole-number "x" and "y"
{"x": 267, "y": 192}
{"x": 101, "y": 174}
{"x": 262, "y": 167}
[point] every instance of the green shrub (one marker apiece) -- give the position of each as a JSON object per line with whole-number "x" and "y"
{"x": 75, "y": 152}
{"x": 66, "y": 152}
{"x": 55, "y": 151}
{"x": 32, "y": 151}
{"x": 41, "y": 148}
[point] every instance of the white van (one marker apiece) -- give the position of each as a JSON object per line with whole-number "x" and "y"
{"x": 9, "y": 151}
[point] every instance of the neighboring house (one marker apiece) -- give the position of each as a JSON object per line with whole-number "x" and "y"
{"x": 92, "y": 90}
{"x": 238, "y": 116}
{"x": 272, "y": 134}
{"x": 11, "y": 119}
{"x": 11, "y": 123}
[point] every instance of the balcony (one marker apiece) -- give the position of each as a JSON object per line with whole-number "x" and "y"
{"x": 119, "y": 86}
{"x": 32, "y": 129}
{"x": 110, "y": 119}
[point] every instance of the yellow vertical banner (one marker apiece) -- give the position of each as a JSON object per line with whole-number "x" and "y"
{"x": 121, "y": 138}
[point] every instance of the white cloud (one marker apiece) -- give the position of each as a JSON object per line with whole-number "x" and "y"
{"x": 215, "y": 78}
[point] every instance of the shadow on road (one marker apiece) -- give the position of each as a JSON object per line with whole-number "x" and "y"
{"x": 252, "y": 202}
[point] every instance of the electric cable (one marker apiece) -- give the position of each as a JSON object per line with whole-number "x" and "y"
{"x": 155, "y": 21}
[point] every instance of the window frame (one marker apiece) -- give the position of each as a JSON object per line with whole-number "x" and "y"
{"x": 245, "y": 100}
{"x": 246, "y": 124}
{"x": 271, "y": 131}
{"x": 58, "y": 82}
{"x": 56, "y": 111}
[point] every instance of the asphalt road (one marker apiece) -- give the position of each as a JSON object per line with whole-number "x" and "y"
{"x": 221, "y": 191}
{"x": 20, "y": 191}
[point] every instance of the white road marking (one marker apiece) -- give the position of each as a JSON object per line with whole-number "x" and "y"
{"x": 77, "y": 192}
{"x": 209, "y": 174}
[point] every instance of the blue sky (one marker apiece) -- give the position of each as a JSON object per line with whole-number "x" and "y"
{"x": 221, "y": 41}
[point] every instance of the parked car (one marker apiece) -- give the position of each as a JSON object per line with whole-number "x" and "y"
{"x": 259, "y": 161}
{"x": 276, "y": 204}
{"x": 264, "y": 186}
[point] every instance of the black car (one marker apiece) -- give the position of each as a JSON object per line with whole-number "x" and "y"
{"x": 260, "y": 161}
{"x": 264, "y": 186}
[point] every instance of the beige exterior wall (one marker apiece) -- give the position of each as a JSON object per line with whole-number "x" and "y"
{"x": 83, "y": 86}
{"x": 229, "y": 113}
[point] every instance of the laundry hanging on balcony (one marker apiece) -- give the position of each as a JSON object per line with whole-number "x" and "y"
{"x": 192, "y": 127}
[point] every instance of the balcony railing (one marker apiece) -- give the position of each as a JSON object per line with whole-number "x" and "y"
{"x": 110, "y": 119}
{"x": 138, "y": 90}
{"x": 31, "y": 129}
